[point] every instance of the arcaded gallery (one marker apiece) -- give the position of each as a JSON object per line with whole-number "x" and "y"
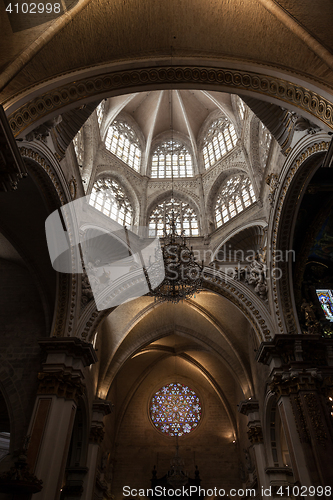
{"x": 166, "y": 250}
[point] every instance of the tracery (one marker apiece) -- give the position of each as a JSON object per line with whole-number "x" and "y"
{"x": 122, "y": 141}
{"x": 171, "y": 158}
{"x": 109, "y": 197}
{"x": 235, "y": 195}
{"x": 219, "y": 140}
{"x": 186, "y": 218}
{"x": 175, "y": 409}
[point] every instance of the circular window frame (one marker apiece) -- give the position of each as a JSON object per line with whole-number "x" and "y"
{"x": 192, "y": 388}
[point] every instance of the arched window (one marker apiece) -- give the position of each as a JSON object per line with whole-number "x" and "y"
{"x": 100, "y": 111}
{"x": 79, "y": 147}
{"x": 220, "y": 139}
{"x": 186, "y": 218}
{"x": 110, "y": 198}
{"x": 236, "y": 194}
{"x": 122, "y": 141}
{"x": 241, "y": 108}
{"x": 171, "y": 155}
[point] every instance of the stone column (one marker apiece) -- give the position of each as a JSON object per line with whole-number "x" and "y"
{"x": 50, "y": 431}
{"x": 101, "y": 408}
{"x": 250, "y": 407}
{"x": 302, "y": 378}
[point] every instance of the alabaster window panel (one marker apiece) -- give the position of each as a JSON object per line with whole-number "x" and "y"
{"x": 241, "y": 108}
{"x": 122, "y": 141}
{"x": 110, "y": 198}
{"x": 175, "y": 410}
{"x": 219, "y": 140}
{"x": 186, "y": 219}
{"x": 235, "y": 195}
{"x": 171, "y": 159}
{"x": 79, "y": 147}
{"x": 100, "y": 112}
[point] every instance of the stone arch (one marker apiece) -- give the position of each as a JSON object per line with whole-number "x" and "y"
{"x": 298, "y": 170}
{"x": 234, "y": 232}
{"x": 24, "y": 114}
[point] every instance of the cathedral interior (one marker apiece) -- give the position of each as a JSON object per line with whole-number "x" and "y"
{"x": 207, "y": 123}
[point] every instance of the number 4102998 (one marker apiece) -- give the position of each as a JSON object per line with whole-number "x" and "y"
{"x": 34, "y": 8}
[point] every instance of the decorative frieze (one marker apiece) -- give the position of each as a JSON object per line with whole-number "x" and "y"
{"x": 63, "y": 385}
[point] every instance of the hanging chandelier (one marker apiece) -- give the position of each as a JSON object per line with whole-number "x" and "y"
{"x": 183, "y": 275}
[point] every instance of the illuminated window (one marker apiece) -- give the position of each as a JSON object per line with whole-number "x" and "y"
{"x": 220, "y": 139}
{"x": 100, "y": 112}
{"x": 79, "y": 147}
{"x": 241, "y": 108}
{"x": 235, "y": 195}
{"x": 325, "y": 298}
{"x": 265, "y": 139}
{"x": 122, "y": 141}
{"x": 171, "y": 155}
{"x": 110, "y": 198}
{"x": 185, "y": 218}
{"x": 175, "y": 410}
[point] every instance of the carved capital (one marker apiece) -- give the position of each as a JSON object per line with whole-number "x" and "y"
{"x": 292, "y": 382}
{"x": 71, "y": 347}
{"x": 248, "y": 406}
{"x": 96, "y": 434}
{"x": 63, "y": 385}
{"x": 255, "y": 434}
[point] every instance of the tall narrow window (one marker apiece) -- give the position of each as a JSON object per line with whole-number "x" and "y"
{"x": 265, "y": 139}
{"x": 100, "y": 111}
{"x": 241, "y": 108}
{"x": 79, "y": 147}
{"x": 122, "y": 141}
{"x": 186, "y": 218}
{"x": 171, "y": 156}
{"x": 235, "y": 195}
{"x": 220, "y": 139}
{"x": 110, "y": 198}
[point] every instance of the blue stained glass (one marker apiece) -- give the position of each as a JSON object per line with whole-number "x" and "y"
{"x": 175, "y": 409}
{"x": 325, "y": 298}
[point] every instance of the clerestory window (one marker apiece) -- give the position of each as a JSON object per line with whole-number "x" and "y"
{"x": 186, "y": 219}
{"x": 235, "y": 195}
{"x": 79, "y": 147}
{"x": 220, "y": 139}
{"x": 100, "y": 112}
{"x": 171, "y": 159}
{"x": 122, "y": 141}
{"x": 109, "y": 197}
{"x": 241, "y": 108}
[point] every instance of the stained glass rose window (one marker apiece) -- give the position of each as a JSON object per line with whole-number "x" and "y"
{"x": 175, "y": 409}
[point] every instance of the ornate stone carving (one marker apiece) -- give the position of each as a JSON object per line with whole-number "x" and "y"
{"x": 73, "y": 187}
{"x": 86, "y": 292}
{"x": 19, "y": 479}
{"x": 96, "y": 434}
{"x": 316, "y": 418}
{"x": 255, "y": 434}
{"x": 272, "y": 181}
{"x": 236, "y": 80}
{"x": 61, "y": 384}
{"x": 284, "y": 235}
{"x": 42, "y": 132}
{"x": 255, "y": 275}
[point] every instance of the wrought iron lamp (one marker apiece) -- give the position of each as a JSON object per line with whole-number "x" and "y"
{"x": 183, "y": 275}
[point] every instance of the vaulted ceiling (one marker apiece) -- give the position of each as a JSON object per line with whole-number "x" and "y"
{"x": 285, "y": 37}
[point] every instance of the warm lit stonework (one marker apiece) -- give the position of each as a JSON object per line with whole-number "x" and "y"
{"x": 166, "y": 255}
